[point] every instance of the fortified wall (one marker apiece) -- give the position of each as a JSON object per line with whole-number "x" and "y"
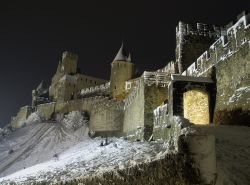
{"x": 126, "y": 105}
{"x": 212, "y": 86}
{"x": 105, "y": 114}
{"x": 227, "y": 62}
{"x": 192, "y": 40}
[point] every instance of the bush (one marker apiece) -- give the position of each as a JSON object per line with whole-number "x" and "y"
{"x": 74, "y": 120}
{"x": 4, "y": 132}
{"x": 34, "y": 117}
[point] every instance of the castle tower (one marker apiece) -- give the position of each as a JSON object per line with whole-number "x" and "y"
{"x": 69, "y": 63}
{"x": 192, "y": 41}
{"x": 67, "y": 66}
{"x": 121, "y": 70}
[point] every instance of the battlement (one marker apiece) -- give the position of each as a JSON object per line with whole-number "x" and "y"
{"x": 198, "y": 29}
{"x": 236, "y": 36}
{"x": 104, "y": 88}
{"x": 169, "y": 68}
{"x": 161, "y": 79}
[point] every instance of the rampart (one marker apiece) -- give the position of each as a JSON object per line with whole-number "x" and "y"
{"x": 101, "y": 89}
{"x": 134, "y": 110}
{"x": 235, "y": 38}
{"x": 192, "y": 40}
{"x": 227, "y": 61}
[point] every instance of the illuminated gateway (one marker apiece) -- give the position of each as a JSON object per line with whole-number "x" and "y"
{"x": 208, "y": 82}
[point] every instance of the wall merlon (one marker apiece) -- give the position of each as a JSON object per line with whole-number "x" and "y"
{"x": 198, "y": 29}
{"x": 243, "y": 13}
{"x": 223, "y": 47}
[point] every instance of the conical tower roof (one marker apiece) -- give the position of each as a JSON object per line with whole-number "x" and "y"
{"x": 129, "y": 58}
{"x": 121, "y": 55}
{"x": 40, "y": 86}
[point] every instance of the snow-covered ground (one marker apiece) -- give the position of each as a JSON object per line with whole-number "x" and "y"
{"x": 50, "y": 152}
{"x": 34, "y": 148}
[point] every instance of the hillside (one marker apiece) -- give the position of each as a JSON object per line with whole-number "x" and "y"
{"x": 50, "y": 153}
{"x": 34, "y": 147}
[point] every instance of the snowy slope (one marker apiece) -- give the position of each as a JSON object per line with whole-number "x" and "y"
{"x": 35, "y": 143}
{"x": 78, "y": 155}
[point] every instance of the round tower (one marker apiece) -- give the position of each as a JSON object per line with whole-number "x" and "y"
{"x": 121, "y": 70}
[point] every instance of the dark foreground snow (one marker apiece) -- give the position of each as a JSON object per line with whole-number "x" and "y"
{"x": 232, "y": 153}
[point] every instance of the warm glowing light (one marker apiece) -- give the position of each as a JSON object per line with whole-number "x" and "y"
{"x": 196, "y": 106}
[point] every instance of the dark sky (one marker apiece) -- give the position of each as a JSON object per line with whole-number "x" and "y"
{"x": 34, "y": 35}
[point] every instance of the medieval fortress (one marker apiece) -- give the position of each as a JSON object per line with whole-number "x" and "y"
{"x": 208, "y": 82}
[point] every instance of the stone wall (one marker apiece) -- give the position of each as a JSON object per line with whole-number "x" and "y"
{"x": 233, "y": 89}
{"x": 227, "y": 62}
{"x": 235, "y": 37}
{"x": 19, "y": 120}
{"x": 134, "y": 110}
{"x": 46, "y": 110}
{"x": 192, "y": 41}
{"x": 154, "y": 97}
{"x": 106, "y": 116}
{"x": 107, "y": 122}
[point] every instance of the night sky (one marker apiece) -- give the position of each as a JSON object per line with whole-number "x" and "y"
{"x": 34, "y": 35}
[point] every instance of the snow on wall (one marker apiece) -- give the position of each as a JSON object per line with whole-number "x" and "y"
{"x": 238, "y": 93}
{"x": 156, "y": 78}
{"x": 96, "y": 89}
{"x": 221, "y": 49}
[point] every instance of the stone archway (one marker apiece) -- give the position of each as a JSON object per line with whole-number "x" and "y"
{"x": 196, "y": 106}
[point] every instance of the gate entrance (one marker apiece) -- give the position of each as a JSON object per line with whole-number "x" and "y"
{"x": 196, "y": 106}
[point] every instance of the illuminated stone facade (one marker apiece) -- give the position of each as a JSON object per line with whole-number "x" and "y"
{"x": 211, "y": 79}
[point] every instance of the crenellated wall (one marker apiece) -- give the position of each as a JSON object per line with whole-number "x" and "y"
{"x": 235, "y": 37}
{"x": 192, "y": 41}
{"x": 227, "y": 61}
{"x": 101, "y": 89}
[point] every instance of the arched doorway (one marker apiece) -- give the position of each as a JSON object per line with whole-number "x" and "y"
{"x": 196, "y": 106}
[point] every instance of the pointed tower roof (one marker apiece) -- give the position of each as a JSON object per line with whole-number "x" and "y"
{"x": 129, "y": 57}
{"x": 40, "y": 86}
{"x": 121, "y": 55}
